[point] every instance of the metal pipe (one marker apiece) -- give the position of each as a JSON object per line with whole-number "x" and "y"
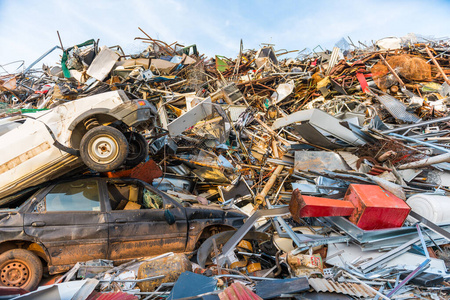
{"x": 420, "y": 142}
{"x": 437, "y": 65}
{"x": 417, "y": 125}
{"x": 426, "y": 162}
{"x": 243, "y": 277}
{"x": 259, "y": 199}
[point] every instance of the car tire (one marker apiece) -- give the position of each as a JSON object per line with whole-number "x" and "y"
{"x": 20, "y": 268}
{"x": 137, "y": 149}
{"x": 104, "y": 148}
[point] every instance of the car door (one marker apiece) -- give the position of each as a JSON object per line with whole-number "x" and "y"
{"x": 137, "y": 222}
{"x": 70, "y": 221}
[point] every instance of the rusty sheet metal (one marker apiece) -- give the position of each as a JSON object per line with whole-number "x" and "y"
{"x": 319, "y": 161}
{"x": 171, "y": 267}
{"x": 8, "y": 83}
{"x": 352, "y": 289}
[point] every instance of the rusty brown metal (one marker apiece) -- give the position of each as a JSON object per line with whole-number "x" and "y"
{"x": 296, "y": 205}
{"x": 392, "y": 71}
{"x": 437, "y": 65}
{"x": 171, "y": 267}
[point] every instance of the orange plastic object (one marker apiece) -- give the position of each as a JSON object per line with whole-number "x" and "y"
{"x": 375, "y": 208}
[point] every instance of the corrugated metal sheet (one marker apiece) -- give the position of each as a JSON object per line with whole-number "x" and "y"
{"x": 397, "y": 109}
{"x": 237, "y": 291}
{"x": 112, "y": 296}
{"x": 334, "y": 59}
{"x": 352, "y": 289}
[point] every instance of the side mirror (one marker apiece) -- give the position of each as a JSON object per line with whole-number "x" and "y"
{"x": 170, "y": 218}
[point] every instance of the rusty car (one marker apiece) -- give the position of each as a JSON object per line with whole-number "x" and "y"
{"x": 58, "y": 224}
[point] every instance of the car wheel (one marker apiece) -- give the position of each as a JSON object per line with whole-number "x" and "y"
{"x": 103, "y": 148}
{"x": 20, "y": 268}
{"x": 137, "y": 149}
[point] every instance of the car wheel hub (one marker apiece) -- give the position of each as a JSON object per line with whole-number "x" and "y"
{"x": 104, "y": 149}
{"x": 14, "y": 274}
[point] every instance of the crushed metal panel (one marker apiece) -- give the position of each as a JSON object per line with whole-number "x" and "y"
{"x": 268, "y": 289}
{"x": 314, "y": 136}
{"x": 323, "y": 121}
{"x": 319, "y": 161}
{"x": 235, "y": 191}
{"x": 406, "y": 260}
{"x": 102, "y": 64}
{"x": 352, "y": 289}
{"x": 264, "y": 55}
{"x": 235, "y": 111}
{"x": 283, "y": 90}
{"x": 299, "y": 116}
{"x": 190, "y": 118}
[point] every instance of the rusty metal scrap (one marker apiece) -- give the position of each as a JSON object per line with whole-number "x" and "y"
{"x": 252, "y": 133}
{"x": 346, "y": 288}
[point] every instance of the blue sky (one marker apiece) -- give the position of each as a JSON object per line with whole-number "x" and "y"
{"x": 28, "y": 28}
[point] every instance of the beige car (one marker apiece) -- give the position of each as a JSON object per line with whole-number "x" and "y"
{"x": 96, "y": 131}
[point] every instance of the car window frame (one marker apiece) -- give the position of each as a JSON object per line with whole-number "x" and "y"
{"x": 45, "y": 191}
{"x": 166, "y": 198}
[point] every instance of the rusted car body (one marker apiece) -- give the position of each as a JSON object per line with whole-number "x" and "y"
{"x": 102, "y": 218}
{"x": 38, "y": 147}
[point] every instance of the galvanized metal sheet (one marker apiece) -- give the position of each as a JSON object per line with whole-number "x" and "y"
{"x": 397, "y": 109}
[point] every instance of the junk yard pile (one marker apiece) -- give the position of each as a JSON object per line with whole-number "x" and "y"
{"x": 166, "y": 174}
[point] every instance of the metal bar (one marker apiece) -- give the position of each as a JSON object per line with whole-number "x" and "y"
{"x": 416, "y": 125}
{"x": 381, "y": 291}
{"x": 437, "y": 65}
{"x": 244, "y": 277}
{"x": 422, "y": 240}
{"x": 433, "y": 227}
{"x": 280, "y": 222}
{"x": 420, "y": 142}
{"x": 372, "y": 264}
{"x": 319, "y": 242}
{"x": 40, "y": 58}
{"x": 242, "y": 231}
{"x": 409, "y": 277}
{"x": 135, "y": 280}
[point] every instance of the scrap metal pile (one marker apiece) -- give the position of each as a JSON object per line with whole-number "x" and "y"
{"x": 341, "y": 160}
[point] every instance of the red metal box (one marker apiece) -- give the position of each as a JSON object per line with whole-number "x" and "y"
{"x": 375, "y": 208}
